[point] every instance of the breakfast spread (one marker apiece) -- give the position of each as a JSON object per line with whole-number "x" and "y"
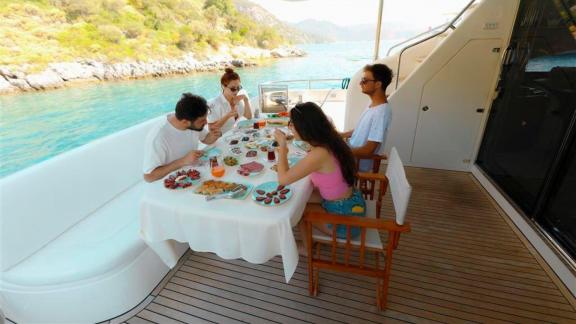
{"x": 251, "y": 168}
{"x": 230, "y": 161}
{"x": 181, "y": 179}
{"x": 212, "y": 187}
{"x": 251, "y": 145}
{"x": 236, "y": 150}
{"x": 271, "y": 193}
{"x": 277, "y": 122}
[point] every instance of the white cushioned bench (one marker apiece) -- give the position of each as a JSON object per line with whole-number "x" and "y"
{"x": 69, "y": 244}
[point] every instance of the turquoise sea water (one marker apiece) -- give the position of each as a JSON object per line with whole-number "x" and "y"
{"x": 37, "y": 126}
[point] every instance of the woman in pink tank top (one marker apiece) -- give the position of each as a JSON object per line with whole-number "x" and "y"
{"x": 330, "y": 163}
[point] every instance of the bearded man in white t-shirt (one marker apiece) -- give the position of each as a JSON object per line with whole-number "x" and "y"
{"x": 173, "y": 143}
{"x": 369, "y": 135}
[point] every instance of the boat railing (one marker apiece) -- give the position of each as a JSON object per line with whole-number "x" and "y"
{"x": 278, "y": 95}
{"x": 343, "y": 82}
{"x": 451, "y": 25}
{"x": 416, "y": 37}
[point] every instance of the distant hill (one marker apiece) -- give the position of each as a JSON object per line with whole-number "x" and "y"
{"x": 265, "y": 18}
{"x": 38, "y": 32}
{"x": 333, "y": 32}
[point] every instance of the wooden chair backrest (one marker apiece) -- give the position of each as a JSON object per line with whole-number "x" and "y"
{"x": 376, "y": 161}
{"x": 367, "y": 183}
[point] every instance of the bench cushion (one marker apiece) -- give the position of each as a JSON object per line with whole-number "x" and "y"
{"x": 103, "y": 241}
{"x": 42, "y": 202}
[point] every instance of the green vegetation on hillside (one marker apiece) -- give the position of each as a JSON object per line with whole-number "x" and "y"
{"x": 37, "y": 32}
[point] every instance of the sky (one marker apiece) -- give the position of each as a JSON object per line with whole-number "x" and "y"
{"x": 419, "y": 14}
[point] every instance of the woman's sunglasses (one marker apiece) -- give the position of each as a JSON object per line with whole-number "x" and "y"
{"x": 235, "y": 89}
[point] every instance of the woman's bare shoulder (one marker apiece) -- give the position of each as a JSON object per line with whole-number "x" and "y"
{"x": 319, "y": 153}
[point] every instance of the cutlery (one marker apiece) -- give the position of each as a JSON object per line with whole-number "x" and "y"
{"x": 229, "y": 194}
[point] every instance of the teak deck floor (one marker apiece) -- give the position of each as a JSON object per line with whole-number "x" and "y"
{"x": 462, "y": 262}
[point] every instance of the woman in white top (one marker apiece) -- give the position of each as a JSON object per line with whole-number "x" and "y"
{"x": 231, "y": 104}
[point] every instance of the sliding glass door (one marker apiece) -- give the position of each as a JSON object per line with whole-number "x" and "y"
{"x": 527, "y": 148}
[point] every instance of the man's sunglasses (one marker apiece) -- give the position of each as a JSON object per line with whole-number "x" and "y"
{"x": 364, "y": 80}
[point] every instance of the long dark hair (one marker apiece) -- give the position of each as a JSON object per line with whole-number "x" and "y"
{"x": 314, "y": 127}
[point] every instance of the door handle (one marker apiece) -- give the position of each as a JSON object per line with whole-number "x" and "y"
{"x": 425, "y": 108}
{"x": 480, "y": 110}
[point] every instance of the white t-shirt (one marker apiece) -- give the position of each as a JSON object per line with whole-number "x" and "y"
{"x": 372, "y": 126}
{"x": 166, "y": 143}
{"x": 219, "y": 107}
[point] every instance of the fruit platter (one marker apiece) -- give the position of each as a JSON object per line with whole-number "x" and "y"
{"x": 250, "y": 169}
{"x": 271, "y": 194}
{"x": 182, "y": 179}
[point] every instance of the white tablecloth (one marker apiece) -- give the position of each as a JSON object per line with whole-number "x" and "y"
{"x": 228, "y": 227}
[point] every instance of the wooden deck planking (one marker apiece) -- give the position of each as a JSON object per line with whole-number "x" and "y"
{"x": 461, "y": 263}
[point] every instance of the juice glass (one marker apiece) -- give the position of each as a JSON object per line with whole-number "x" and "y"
{"x": 218, "y": 171}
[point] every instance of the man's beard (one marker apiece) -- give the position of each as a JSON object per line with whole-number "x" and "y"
{"x": 196, "y": 129}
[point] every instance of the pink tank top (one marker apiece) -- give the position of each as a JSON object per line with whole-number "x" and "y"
{"x": 332, "y": 185}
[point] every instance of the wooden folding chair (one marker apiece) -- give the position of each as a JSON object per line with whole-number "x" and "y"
{"x": 354, "y": 259}
{"x": 368, "y": 187}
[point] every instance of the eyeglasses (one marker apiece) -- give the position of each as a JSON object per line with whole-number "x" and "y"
{"x": 364, "y": 80}
{"x": 235, "y": 89}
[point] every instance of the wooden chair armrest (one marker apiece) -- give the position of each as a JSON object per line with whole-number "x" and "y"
{"x": 316, "y": 217}
{"x": 371, "y": 156}
{"x": 371, "y": 176}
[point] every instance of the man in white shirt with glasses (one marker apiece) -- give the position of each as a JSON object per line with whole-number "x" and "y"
{"x": 369, "y": 135}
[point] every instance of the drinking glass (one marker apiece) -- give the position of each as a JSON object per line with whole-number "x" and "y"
{"x": 218, "y": 171}
{"x": 213, "y": 161}
{"x": 271, "y": 154}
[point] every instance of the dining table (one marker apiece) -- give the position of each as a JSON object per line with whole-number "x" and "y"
{"x": 232, "y": 227}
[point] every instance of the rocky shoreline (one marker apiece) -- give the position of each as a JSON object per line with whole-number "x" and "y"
{"x": 58, "y": 75}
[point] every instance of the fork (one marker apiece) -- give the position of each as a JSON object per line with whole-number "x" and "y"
{"x": 229, "y": 194}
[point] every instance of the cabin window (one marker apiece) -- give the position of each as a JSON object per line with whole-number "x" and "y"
{"x": 528, "y": 149}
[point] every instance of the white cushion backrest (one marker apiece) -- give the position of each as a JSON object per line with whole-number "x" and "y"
{"x": 399, "y": 186}
{"x": 39, "y": 203}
